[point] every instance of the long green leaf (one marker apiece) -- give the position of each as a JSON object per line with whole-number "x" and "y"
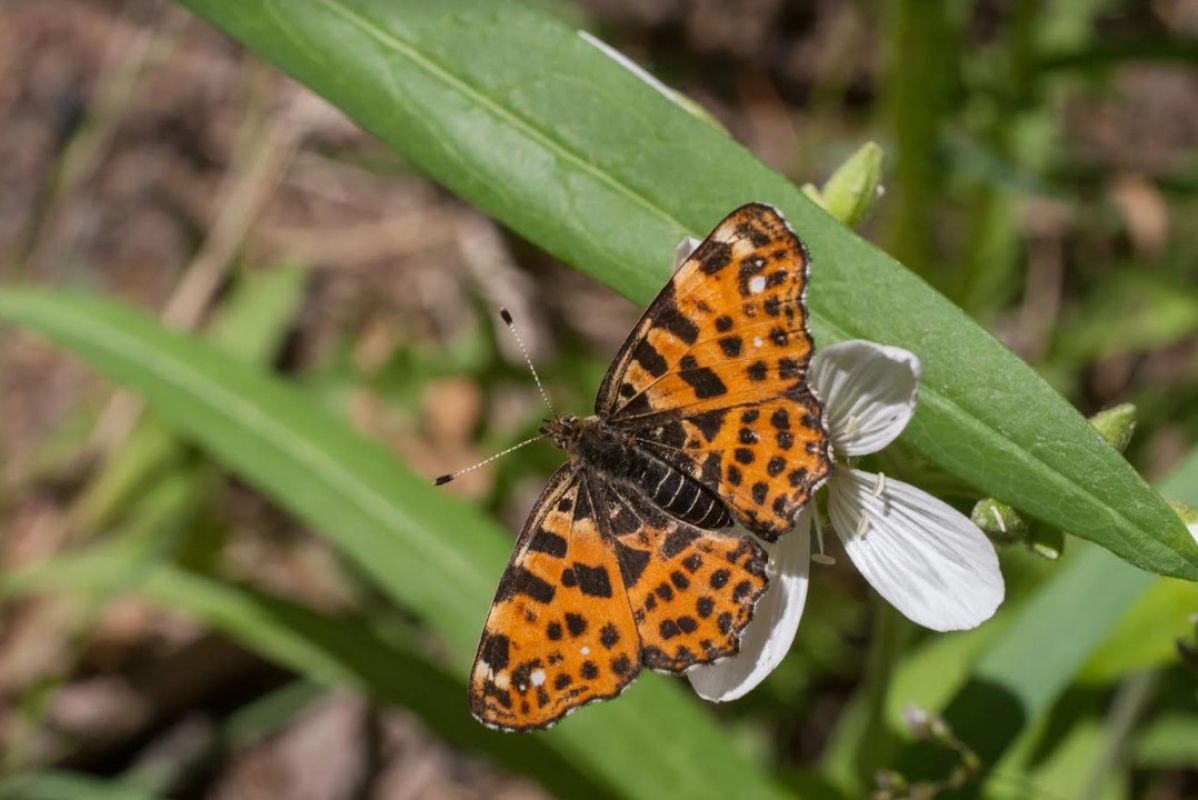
{"x": 429, "y": 552}
{"x": 522, "y": 116}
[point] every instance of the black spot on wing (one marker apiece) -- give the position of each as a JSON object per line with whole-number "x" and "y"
{"x": 709, "y": 422}
{"x": 495, "y": 651}
{"x": 677, "y": 541}
{"x": 609, "y": 636}
{"x": 731, "y": 346}
{"x": 518, "y": 580}
{"x": 647, "y": 356}
{"x": 753, "y": 234}
{"x": 674, "y": 322}
{"x": 789, "y": 368}
{"x": 733, "y": 475}
{"x": 632, "y": 563}
{"x": 547, "y": 542}
{"x": 593, "y": 580}
{"x": 713, "y": 256}
{"x": 576, "y": 624}
{"x": 705, "y": 382}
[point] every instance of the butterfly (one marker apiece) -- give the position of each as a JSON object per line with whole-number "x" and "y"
{"x": 628, "y": 558}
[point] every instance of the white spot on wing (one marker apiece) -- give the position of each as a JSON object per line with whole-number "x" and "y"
{"x": 757, "y": 284}
{"x": 757, "y": 341}
{"x": 537, "y": 677}
{"x": 586, "y": 651}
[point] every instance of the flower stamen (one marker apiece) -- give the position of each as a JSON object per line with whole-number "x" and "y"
{"x": 819, "y": 556}
{"x": 880, "y": 486}
{"x": 851, "y": 426}
{"x": 862, "y": 525}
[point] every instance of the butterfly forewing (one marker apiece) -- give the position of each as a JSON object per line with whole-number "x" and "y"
{"x": 560, "y": 632}
{"x": 717, "y": 359}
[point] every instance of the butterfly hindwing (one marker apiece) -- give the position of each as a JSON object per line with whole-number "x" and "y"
{"x": 692, "y": 591}
{"x": 560, "y": 632}
{"x": 727, "y": 340}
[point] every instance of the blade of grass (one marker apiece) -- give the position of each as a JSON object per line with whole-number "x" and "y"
{"x": 519, "y": 114}
{"x": 428, "y": 552}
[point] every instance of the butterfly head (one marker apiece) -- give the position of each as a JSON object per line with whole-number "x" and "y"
{"x": 564, "y": 432}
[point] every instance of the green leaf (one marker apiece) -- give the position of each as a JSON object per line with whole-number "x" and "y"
{"x": 520, "y": 115}
{"x": 430, "y": 553}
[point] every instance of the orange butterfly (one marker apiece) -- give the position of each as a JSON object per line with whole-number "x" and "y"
{"x": 704, "y": 419}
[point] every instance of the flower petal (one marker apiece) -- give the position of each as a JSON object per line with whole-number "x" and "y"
{"x": 868, "y": 391}
{"x": 683, "y": 251}
{"x": 925, "y": 557}
{"x": 775, "y": 621}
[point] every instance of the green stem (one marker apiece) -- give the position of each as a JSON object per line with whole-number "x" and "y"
{"x": 1133, "y": 696}
{"x": 921, "y": 62}
{"x": 890, "y": 635}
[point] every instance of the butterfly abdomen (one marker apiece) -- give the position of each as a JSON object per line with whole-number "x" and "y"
{"x": 680, "y": 494}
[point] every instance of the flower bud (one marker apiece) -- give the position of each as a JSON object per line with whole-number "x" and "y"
{"x": 853, "y": 190}
{"x": 1116, "y": 425}
{"x": 1188, "y": 514}
{"x": 999, "y": 521}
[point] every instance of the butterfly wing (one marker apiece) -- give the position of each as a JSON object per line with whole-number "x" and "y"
{"x": 692, "y": 591}
{"x": 713, "y": 377}
{"x": 560, "y": 632}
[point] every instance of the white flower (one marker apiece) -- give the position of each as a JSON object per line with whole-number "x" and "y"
{"x": 923, "y": 556}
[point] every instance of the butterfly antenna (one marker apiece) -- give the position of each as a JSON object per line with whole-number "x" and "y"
{"x": 507, "y": 318}
{"x": 444, "y": 479}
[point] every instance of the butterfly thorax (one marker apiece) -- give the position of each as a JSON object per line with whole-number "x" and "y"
{"x": 615, "y": 455}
